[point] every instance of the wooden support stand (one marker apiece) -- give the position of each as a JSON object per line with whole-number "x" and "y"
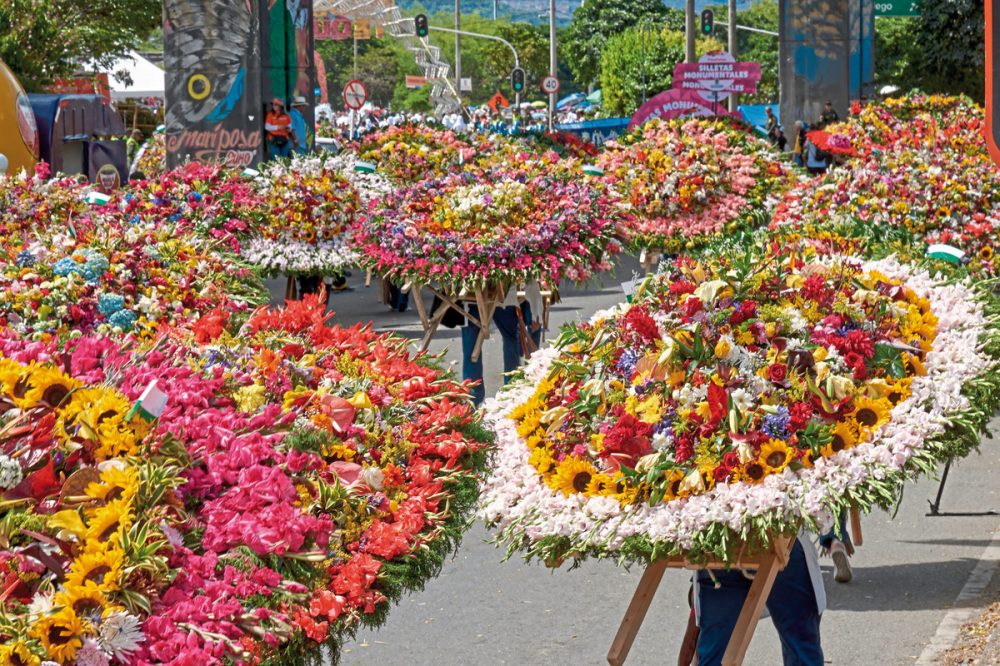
{"x": 649, "y": 259}
{"x": 766, "y": 565}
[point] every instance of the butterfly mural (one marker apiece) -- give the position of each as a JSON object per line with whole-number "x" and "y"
{"x": 208, "y": 47}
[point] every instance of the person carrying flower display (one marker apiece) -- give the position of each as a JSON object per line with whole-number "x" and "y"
{"x": 796, "y": 605}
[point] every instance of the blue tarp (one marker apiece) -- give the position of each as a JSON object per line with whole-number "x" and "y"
{"x": 757, "y": 116}
{"x": 570, "y": 100}
{"x": 597, "y": 131}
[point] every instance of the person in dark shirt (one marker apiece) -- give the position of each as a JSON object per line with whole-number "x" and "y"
{"x": 829, "y": 115}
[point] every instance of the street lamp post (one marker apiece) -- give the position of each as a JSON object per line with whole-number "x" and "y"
{"x": 553, "y": 64}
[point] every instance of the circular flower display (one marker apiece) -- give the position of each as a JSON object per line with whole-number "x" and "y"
{"x": 691, "y": 180}
{"x": 502, "y": 227}
{"x": 734, "y": 401}
{"x": 411, "y": 153}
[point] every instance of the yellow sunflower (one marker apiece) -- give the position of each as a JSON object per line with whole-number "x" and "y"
{"x": 843, "y": 437}
{"x": 986, "y": 253}
{"x": 12, "y": 374}
{"x": 541, "y": 460}
{"x": 60, "y": 634}
{"x": 913, "y": 365}
{"x": 107, "y": 523}
{"x": 87, "y": 600}
{"x": 601, "y": 484}
{"x": 102, "y": 567}
{"x": 17, "y": 654}
{"x": 49, "y": 385}
{"x": 898, "y": 391}
{"x": 573, "y": 475}
{"x": 117, "y": 483}
{"x": 774, "y": 456}
{"x": 673, "y": 480}
{"x": 69, "y": 413}
{"x": 870, "y": 413}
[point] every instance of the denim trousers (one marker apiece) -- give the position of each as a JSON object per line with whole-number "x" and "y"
{"x": 510, "y": 333}
{"x": 792, "y": 605}
{"x": 845, "y": 537}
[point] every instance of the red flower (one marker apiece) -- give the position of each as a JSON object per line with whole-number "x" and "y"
{"x": 627, "y": 442}
{"x": 777, "y": 372}
{"x": 639, "y": 322}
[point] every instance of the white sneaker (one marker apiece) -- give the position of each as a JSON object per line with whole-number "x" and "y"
{"x": 841, "y": 562}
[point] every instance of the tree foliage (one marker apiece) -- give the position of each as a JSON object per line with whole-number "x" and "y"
{"x": 597, "y": 21}
{"x": 622, "y": 65}
{"x": 532, "y": 45}
{"x": 42, "y": 40}
{"x": 754, "y": 46}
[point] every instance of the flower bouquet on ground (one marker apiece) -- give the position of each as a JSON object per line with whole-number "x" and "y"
{"x": 224, "y": 495}
{"x": 472, "y": 231}
{"x": 737, "y": 400}
{"x": 692, "y": 180}
{"x": 310, "y": 206}
{"x": 412, "y": 153}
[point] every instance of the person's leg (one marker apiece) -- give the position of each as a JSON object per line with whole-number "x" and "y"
{"x": 510, "y": 333}
{"x": 472, "y": 370}
{"x": 837, "y": 542}
{"x": 792, "y": 605}
{"x": 309, "y": 284}
{"x": 535, "y": 331}
{"x": 720, "y": 607}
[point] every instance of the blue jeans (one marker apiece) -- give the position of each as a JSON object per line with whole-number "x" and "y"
{"x": 510, "y": 332}
{"x": 792, "y": 605}
{"x": 279, "y": 151}
{"x": 845, "y": 537}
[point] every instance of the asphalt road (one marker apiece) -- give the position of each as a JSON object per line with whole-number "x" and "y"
{"x": 482, "y": 610}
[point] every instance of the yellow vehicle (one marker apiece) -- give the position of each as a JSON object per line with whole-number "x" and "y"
{"x": 18, "y": 129}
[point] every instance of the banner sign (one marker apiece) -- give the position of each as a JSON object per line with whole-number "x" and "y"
{"x": 597, "y": 132}
{"x": 675, "y": 103}
{"x": 330, "y": 27}
{"x": 415, "y": 81}
{"x": 716, "y": 75}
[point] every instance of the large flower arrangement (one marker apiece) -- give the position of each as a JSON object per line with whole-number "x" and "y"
{"x": 300, "y": 477}
{"x": 932, "y": 183}
{"x": 690, "y": 181}
{"x": 151, "y": 161}
{"x": 411, "y": 153}
{"x": 736, "y": 401}
{"x": 498, "y": 228}
{"x": 310, "y": 207}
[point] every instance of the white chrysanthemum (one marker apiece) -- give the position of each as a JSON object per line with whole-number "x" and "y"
{"x": 120, "y": 635}
{"x": 41, "y": 604}
{"x": 742, "y": 400}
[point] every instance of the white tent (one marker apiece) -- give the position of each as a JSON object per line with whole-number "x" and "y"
{"x": 147, "y": 79}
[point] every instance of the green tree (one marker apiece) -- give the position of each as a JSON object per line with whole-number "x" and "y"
{"x": 754, "y": 46}
{"x": 532, "y": 45}
{"x": 379, "y": 69}
{"x": 42, "y": 40}
{"x": 598, "y": 20}
{"x": 622, "y": 65}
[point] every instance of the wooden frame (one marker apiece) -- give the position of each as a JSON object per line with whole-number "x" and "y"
{"x": 766, "y": 564}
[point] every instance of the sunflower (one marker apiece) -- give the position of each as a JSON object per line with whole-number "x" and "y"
{"x": 986, "y": 253}
{"x": 108, "y": 522}
{"x": 69, "y": 413}
{"x": 774, "y": 456}
{"x": 869, "y": 414}
{"x": 898, "y": 391}
{"x": 913, "y": 365}
{"x": 672, "y": 481}
{"x": 541, "y": 460}
{"x": 59, "y": 634}
{"x": 844, "y": 436}
{"x": 48, "y": 385}
{"x": 117, "y": 482}
{"x": 601, "y": 484}
{"x": 12, "y": 374}
{"x": 573, "y": 475}
{"x": 17, "y": 654}
{"x": 102, "y": 567}
{"x": 87, "y": 600}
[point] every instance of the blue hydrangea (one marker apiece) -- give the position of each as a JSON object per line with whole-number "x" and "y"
{"x": 123, "y": 319}
{"x": 108, "y": 304}
{"x": 135, "y": 219}
{"x": 627, "y": 361}
{"x": 65, "y": 267}
{"x": 25, "y": 259}
{"x": 174, "y": 217}
{"x": 776, "y": 425}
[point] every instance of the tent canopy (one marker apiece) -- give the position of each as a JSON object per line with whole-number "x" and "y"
{"x": 147, "y": 79}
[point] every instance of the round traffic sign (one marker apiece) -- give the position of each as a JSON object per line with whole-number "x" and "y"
{"x": 550, "y": 85}
{"x": 355, "y": 94}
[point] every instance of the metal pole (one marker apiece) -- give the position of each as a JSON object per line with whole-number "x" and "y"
{"x": 689, "y": 31}
{"x": 553, "y": 64}
{"x": 458, "y": 48}
{"x": 494, "y": 10}
{"x": 642, "y": 39}
{"x": 733, "y": 101}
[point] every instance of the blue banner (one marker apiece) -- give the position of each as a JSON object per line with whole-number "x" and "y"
{"x": 598, "y": 132}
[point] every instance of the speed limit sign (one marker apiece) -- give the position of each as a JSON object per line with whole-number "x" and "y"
{"x": 550, "y": 85}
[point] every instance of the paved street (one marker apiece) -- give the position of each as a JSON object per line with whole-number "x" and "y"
{"x": 481, "y": 610}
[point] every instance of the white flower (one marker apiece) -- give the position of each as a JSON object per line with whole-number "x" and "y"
{"x": 10, "y": 472}
{"x": 743, "y": 400}
{"x": 91, "y": 655}
{"x": 41, "y": 604}
{"x": 120, "y": 635}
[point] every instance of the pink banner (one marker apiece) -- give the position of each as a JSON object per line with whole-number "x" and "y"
{"x": 717, "y": 73}
{"x": 675, "y": 103}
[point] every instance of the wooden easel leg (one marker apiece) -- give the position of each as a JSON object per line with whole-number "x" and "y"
{"x": 291, "y": 292}
{"x": 746, "y": 624}
{"x": 856, "y": 537}
{"x": 636, "y": 613}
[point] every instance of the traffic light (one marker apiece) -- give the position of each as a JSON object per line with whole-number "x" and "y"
{"x": 517, "y": 79}
{"x": 421, "y": 22}
{"x": 707, "y": 21}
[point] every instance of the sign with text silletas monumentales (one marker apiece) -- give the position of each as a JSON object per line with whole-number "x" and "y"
{"x": 716, "y": 75}
{"x": 897, "y": 8}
